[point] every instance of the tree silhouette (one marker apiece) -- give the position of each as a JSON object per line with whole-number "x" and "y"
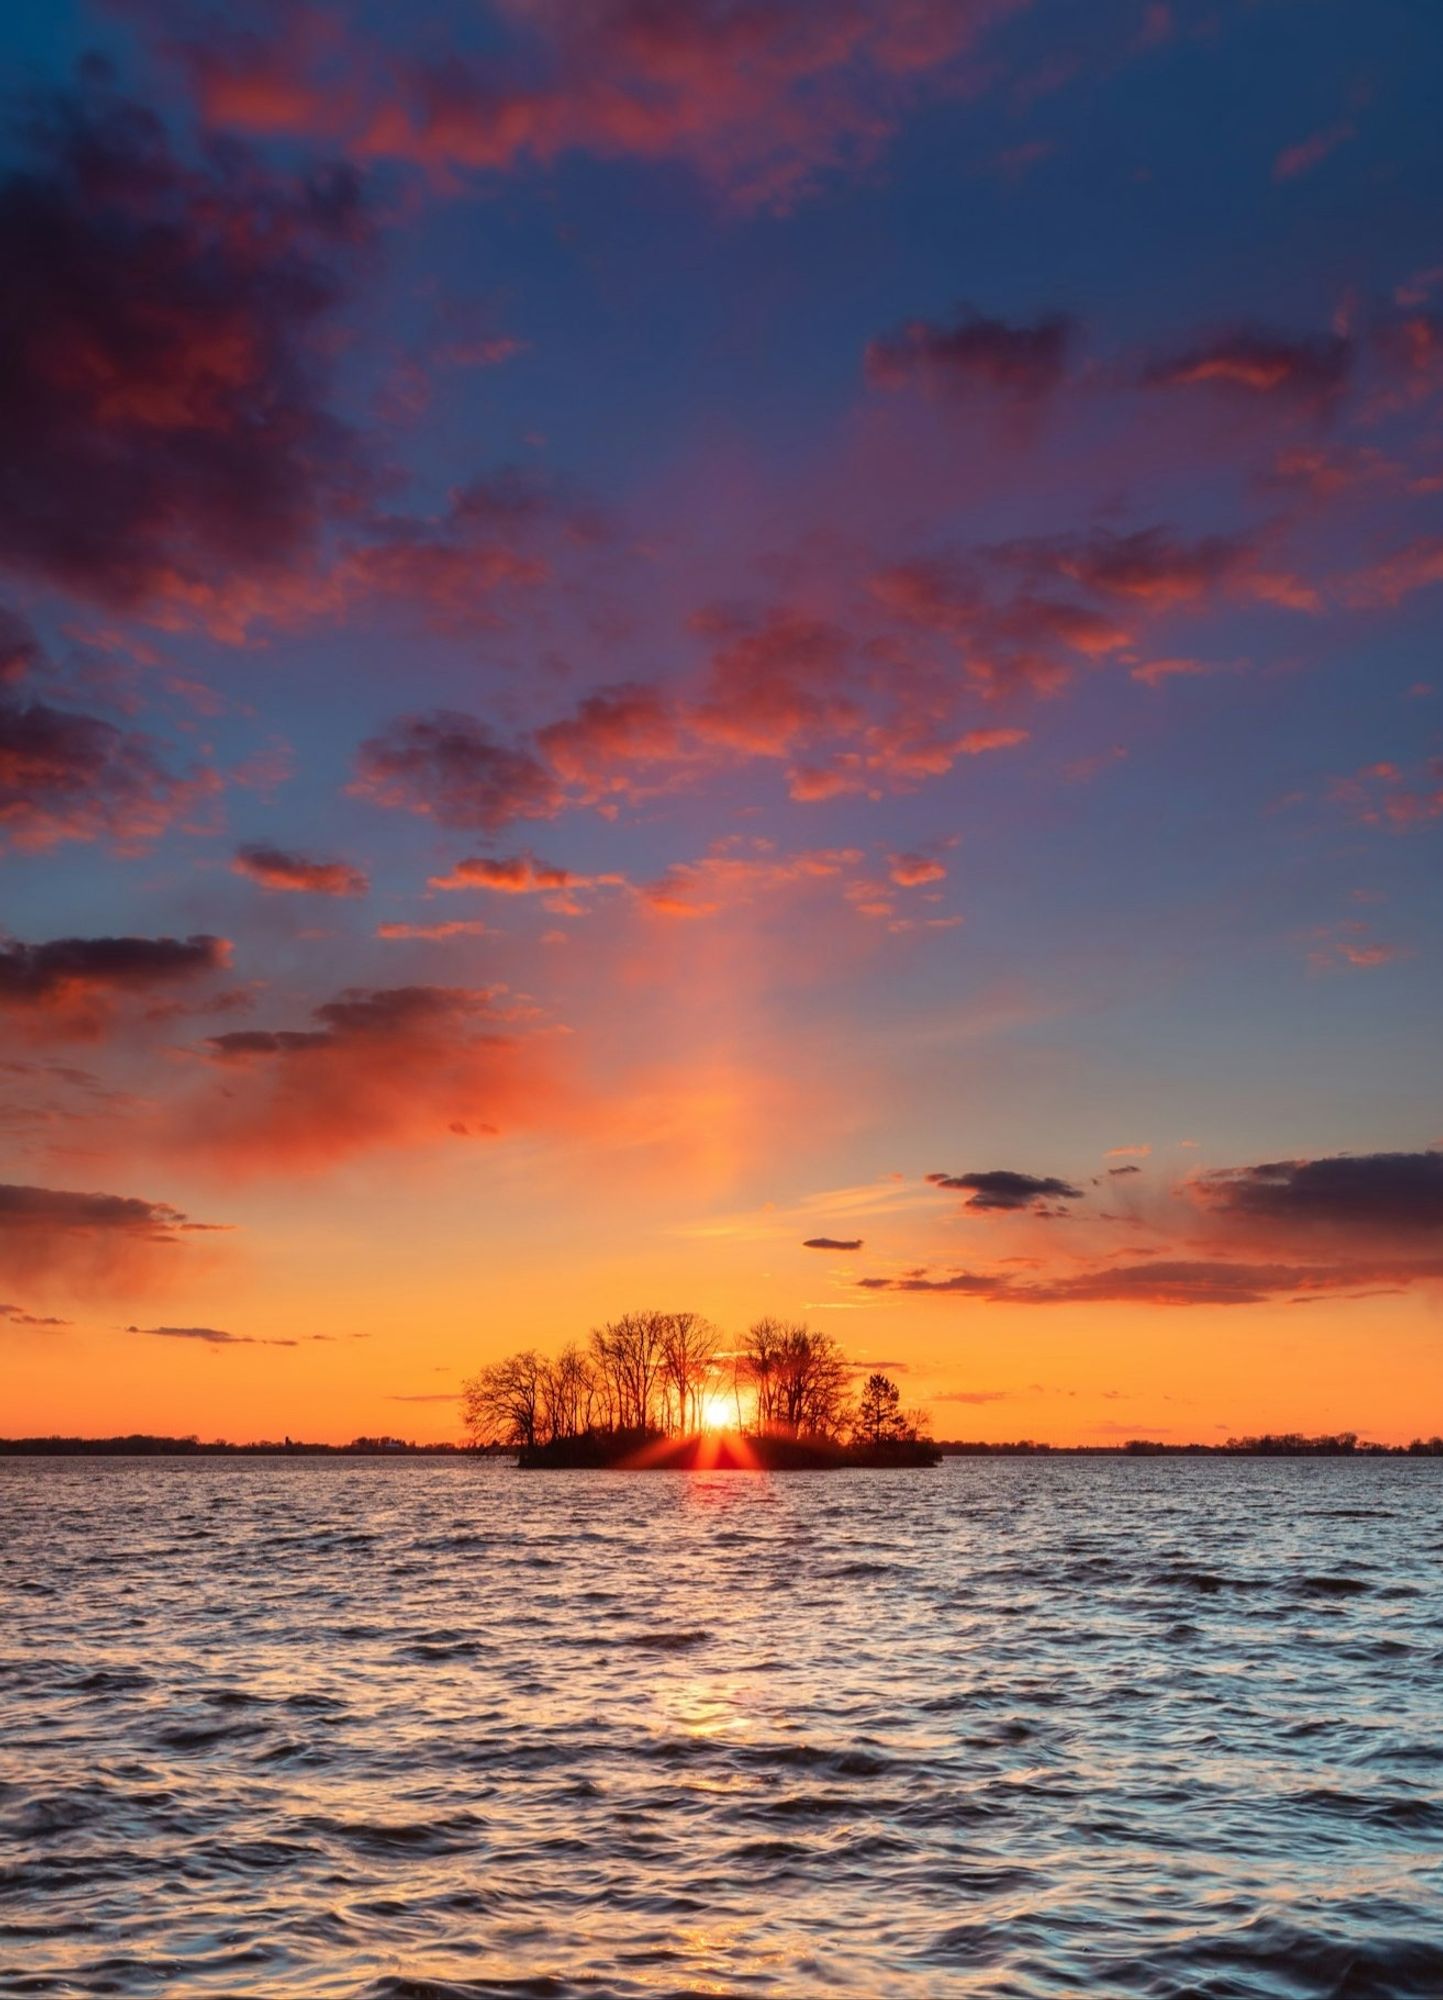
{"x": 688, "y": 1358}
{"x": 798, "y": 1379}
{"x": 504, "y": 1403}
{"x": 879, "y": 1414}
{"x": 646, "y": 1377}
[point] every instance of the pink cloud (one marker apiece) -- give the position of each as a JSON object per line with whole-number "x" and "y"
{"x": 376, "y": 1068}
{"x": 725, "y": 878}
{"x": 619, "y": 740}
{"x": 432, "y": 933}
{"x": 1418, "y": 566}
{"x": 69, "y": 776}
{"x": 508, "y": 875}
{"x": 89, "y": 1242}
{"x": 909, "y": 871}
{"x": 1350, "y": 944}
{"x": 70, "y": 988}
{"x": 762, "y": 100}
{"x": 1258, "y": 365}
{"x": 1384, "y": 794}
{"x": 1299, "y": 159}
{"x": 276, "y": 869}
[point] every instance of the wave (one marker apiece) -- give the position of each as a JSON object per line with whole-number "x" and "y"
{"x": 1093, "y": 1727}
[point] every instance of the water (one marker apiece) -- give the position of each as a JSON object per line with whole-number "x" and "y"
{"x": 1011, "y": 1728}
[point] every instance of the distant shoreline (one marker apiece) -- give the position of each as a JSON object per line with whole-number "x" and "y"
{"x": 140, "y": 1445}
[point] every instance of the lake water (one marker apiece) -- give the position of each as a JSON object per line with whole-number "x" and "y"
{"x": 1010, "y": 1728}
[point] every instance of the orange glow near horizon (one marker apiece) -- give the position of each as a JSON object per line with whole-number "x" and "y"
{"x": 330, "y": 1353}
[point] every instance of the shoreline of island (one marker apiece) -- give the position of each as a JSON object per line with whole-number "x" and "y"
{"x": 724, "y": 1451}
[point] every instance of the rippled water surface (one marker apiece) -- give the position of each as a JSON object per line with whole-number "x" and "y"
{"x": 296, "y": 1728}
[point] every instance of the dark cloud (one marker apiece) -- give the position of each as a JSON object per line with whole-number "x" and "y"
{"x": 89, "y": 1214}
{"x": 1022, "y": 363}
{"x": 17, "y": 1316}
{"x": 276, "y": 869}
{"x": 1253, "y": 364}
{"x": 210, "y": 1336}
{"x": 451, "y": 768}
{"x": 163, "y": 427}
{"x": 1150, "y": 565}
{"x": 19, "y": 649}
{"x": 67, "y": 971}
{"x": 87, "y": 1239}
{"x": 1363, "y": 1194}
{"x": 832, "y": 1243}
{"x": 1165, "y": 1282}
{"x": 1115, "y": 1171}
{"x": 360, "y": 1016}
{"x": 1001, "y": 1190}
{"x": 971, "y": 1283}
{"x": 1294, "y": 1231}
{"x": 65, "y": 775}
{"x": 1184, "y": 1282}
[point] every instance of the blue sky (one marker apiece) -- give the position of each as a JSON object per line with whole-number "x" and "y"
{"x": 925, "y": 519}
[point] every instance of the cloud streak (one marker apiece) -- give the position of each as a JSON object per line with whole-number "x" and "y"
{"x": 286, "y": 873}
{"x": 208, "y": 1336}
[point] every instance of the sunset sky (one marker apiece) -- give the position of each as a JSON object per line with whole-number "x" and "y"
{"x": 769, "y": 655}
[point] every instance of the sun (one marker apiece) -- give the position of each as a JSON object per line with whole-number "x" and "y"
{"x": 717, "y": 1413}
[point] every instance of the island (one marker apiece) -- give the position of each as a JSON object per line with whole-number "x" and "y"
{"x": 661, "y": 1392}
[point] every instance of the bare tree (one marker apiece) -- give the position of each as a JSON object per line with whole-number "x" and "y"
{"x": 814, "y": 1383}
{"x": 502, "y": 1403}
{"x": 652, "y": 1370}
{"x": 569, "y": 1394}
{"x": 759, "y": 1368}
{"x": 688, "y": 1353}
{"x": 798, "y": 1378}
{"x": 628, "y": 1356}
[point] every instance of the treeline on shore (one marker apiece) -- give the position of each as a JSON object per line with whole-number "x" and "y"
{"x": 140, "y": 1444}
{"x": 1271, "y": 1444}
{"x": 655, "y": 1375}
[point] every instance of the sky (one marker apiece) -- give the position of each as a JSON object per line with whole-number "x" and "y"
{"x": 777, "y": 656}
